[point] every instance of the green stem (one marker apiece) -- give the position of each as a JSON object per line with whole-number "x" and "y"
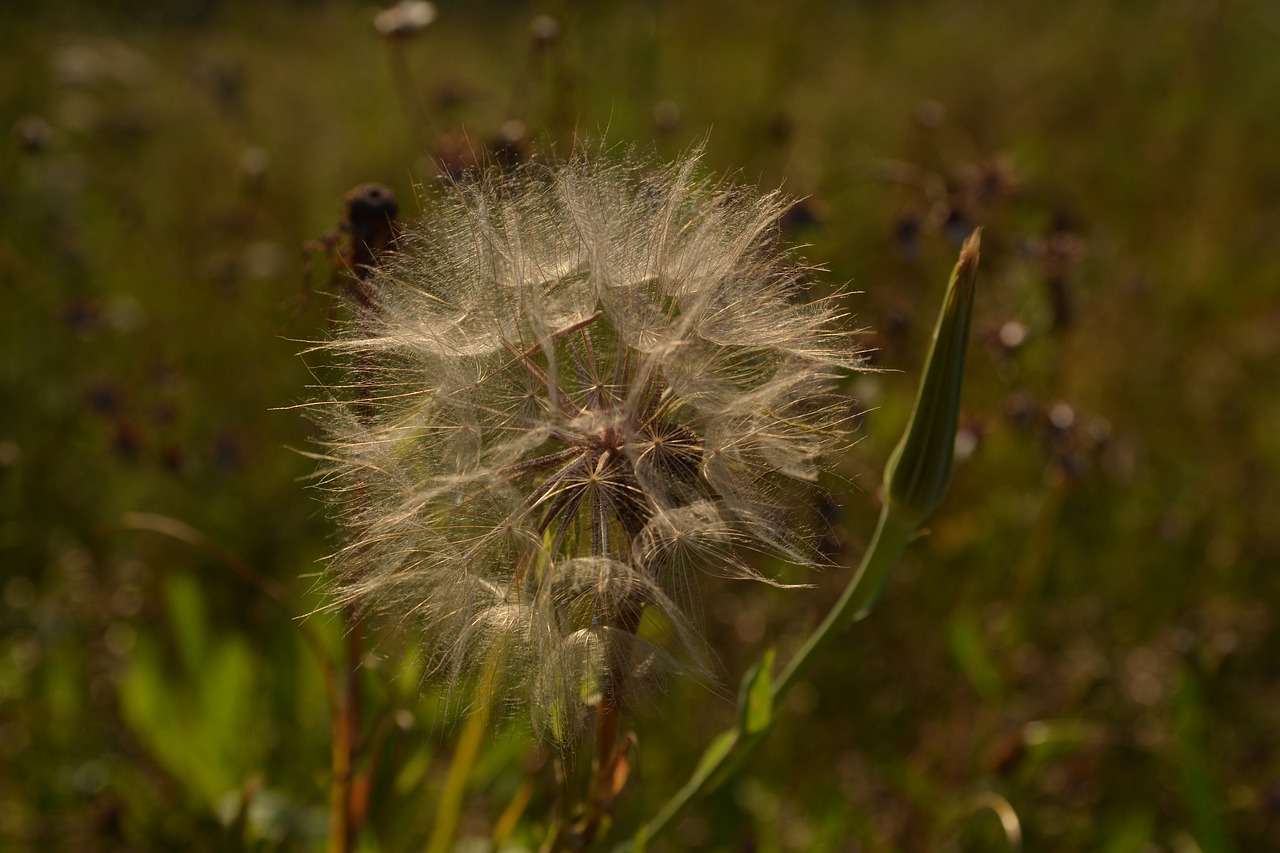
{"x": 891, "y": 536}
{"x": 915, "y": 482}
{"x": 697, "y": 782}
{"x": 449, "y": 806}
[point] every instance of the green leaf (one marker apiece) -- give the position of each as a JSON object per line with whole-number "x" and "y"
{"x": 971, "y": 653}
{"x": 188, "y": 621}
{"x": 715, "y": 753}
{"x": 1198, "y": 789}
{"x": 229, "y": 694}
{"x": 755, "y": 703}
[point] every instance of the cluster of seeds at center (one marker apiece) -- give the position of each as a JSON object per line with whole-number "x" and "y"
{"x": 623, "y": 454}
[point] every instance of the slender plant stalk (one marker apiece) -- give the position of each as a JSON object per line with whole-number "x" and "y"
{"x": 369, "y": 219}
{"x": 560, "y": 810}
{"x": 916, "y": 480}
{"x": 598, "y": 793}
{"x": 449, "y": 806}
{"x": 411, "y": 108}
{"x": 892, "y": 535}
{"x": 601, "y": 786}
{"x": 343, "y": 814}
{"x": 510, "y": 817}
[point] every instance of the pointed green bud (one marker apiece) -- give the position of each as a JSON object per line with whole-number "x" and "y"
{"x": 919, "y": 470}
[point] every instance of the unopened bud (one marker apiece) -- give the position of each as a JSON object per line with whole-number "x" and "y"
{"x": 919, "y": 470}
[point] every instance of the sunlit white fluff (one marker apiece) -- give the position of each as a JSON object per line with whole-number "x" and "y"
{"x": 577, "y": 386}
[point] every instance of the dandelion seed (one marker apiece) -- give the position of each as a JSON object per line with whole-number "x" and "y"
{"x": 575, "y": 388}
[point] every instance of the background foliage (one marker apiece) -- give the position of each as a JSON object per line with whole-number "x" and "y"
{"x": 1088, "y": 638}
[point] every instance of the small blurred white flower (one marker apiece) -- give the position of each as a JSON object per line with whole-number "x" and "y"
{"x": 577, "y": 386}
{"x": 406, "y": 18}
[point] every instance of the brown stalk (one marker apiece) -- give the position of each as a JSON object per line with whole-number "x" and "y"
{"x": 608, "y": 771}
{"x": 369, "y": 222}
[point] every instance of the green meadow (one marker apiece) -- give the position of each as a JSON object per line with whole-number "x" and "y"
{"x": 1083, "y": 653}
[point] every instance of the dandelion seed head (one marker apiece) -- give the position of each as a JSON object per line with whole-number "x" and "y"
{"x": 576, "y": 388}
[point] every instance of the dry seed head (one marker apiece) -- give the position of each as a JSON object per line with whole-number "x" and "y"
{"x": 576, "y": 387}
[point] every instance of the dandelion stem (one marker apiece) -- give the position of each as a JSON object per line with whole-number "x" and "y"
{"x": 601, "y": 767}
{"x": 601, "y": 787}
{"x": 532, "y": 503}
{"x": 343, "y": 814}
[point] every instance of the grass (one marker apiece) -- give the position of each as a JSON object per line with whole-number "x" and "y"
{"x": 1089, "y": 633}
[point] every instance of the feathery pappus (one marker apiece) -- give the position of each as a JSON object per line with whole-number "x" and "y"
{"x": 576, "y": 387}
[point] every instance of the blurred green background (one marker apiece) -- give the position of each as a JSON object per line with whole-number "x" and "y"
{"x": 1085, "y": 646}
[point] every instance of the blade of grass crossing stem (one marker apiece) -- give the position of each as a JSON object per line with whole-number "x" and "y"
{"x": 449, "y": 807}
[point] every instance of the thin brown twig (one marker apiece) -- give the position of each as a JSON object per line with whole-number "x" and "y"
{"x": 369, "y": 218}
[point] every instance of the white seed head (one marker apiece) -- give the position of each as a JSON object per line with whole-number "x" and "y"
{"x": 576, "y": 387}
